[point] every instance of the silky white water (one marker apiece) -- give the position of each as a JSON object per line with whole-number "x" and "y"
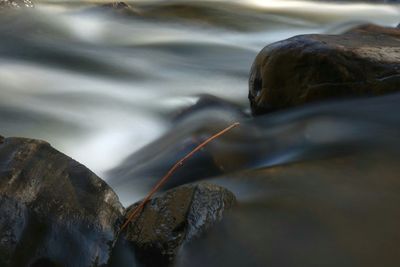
{"x": 99, "y": 86}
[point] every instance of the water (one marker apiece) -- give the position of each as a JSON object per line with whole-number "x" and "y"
{"x": 128, "y": 95}
{"x": 99, "y": 86}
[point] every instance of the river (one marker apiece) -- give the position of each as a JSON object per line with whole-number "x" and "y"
{"x": 127, "y": 94}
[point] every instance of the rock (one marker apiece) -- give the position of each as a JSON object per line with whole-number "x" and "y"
{"x": 15, "y": 3}
{"x": 334, "y": 211}
{"x": 375, "y": 30}
{"x": 362, "y": 62}
{"x": 56, "y": 212}
{"x": 177, "y": 216}
{"x": 120, "y": 8}
{"x": 141, "y": 170}
{"x": 53, "y": 210}
{"x": 116, "y": 5}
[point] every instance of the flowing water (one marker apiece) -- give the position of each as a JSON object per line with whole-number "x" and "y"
{"x": 128, "y": 92}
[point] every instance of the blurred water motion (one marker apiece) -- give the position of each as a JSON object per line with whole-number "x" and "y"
{"x": 128, "y": 93}
{"x": 99, "y": 84}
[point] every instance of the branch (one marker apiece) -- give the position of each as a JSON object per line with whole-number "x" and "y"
{"x": 171, "y": 171}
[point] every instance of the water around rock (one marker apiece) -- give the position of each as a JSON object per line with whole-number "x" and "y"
{"x": 116, "y": 70}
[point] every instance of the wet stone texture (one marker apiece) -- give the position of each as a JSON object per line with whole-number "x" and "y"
{"x": 53, "y": 210}
{"x": 176, "y": 216}
{"x": 308, "y": 68}
{"x": 15, "y": 3}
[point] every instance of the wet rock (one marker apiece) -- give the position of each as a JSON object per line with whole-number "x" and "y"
{"x": 15, "y": 3}
{"x": 307, "y": 68}
{"x": 337, "y": 211}
{"x": 177, "y": 216}
{"x": 121, "y": 8}
{"x": 116, "y": 5}
{"x": 141, "y": 170}
{"x": 207, "y": 103}
{"x": 53, "y": 210}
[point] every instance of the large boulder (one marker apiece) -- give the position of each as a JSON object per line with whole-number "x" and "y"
{"x": 173, "y": 218}
{"x": 307, "y": 68}
{"x": 53, "y": 210}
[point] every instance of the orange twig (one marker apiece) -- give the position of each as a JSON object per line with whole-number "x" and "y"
{"x": 171, "y": 171}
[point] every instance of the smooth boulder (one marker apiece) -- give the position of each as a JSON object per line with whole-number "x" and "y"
{"x": 308, "y": 68}
{"x": 173, "y": 218}
{"x": 53, "y": 210}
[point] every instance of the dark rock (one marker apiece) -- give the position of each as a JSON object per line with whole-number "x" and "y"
{"x": 362, "y": 62}
{"x": 113, "y": 8}
{"x": 53, "y": 210}
{"x": 56, "y": 212}
{"x": 120, "y": 8}
{"x": 375, "y": 30}
{"x": 207, "y": 104}
{"x": 116, "y": 5}
{"x": 338, "y": 211}
{"x": 15, "y": 3}
{"x": 140, "y": 171}
{"x": 177, "y": 216}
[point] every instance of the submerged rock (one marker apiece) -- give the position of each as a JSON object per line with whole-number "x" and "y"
{"x": 53, "y": 210}
{"x": 118, "y": 7}
{"x": 175, "y": 217}
{"x": 15, "y": 3}
{"x": 307, "y": 68}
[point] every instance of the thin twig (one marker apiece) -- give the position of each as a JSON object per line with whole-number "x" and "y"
{"x": 162, "y": 181}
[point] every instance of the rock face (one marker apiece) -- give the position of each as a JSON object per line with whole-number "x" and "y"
{"x": 177, "y": 216}
{"x": 53, "y": 210}
{"x": 307, "y": 68}
{"x": 15, "y": 3}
